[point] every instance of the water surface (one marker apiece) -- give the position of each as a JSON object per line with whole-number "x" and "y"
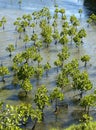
{"x": 9, "y": 94}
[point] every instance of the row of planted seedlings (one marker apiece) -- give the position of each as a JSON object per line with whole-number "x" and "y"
{"x": 27, "y": 65}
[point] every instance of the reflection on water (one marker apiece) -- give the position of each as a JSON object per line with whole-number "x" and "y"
{"x": 10, "y": 9}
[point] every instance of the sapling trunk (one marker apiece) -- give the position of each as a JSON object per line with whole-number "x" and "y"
{"x": 48, "y": 21}
{"x": 56, "y": 42}
{"x": 16, "y": 43}
{"x": 25, "y": 46}
{"x": 24, "y": 29}
{"x": 38, "y": 64}
{"x": 85, "y": 64}
{"x": 26, "y": 61}
{"x": 55, "y": 117}
{"x": 46, "y": 72}
{"x": 26, "y": 93}
{"x": 57, "y": 69}
{"x": 54, "y": 29}
{"x": 88, "y": 110}
{"x": 81, "y": 95}
{"x": 85, "y": 109}
{"x": 3, "y": 80}
{"x": 42, "y": 114}
{"x": 34, "y": 44}
{"x": 10, "y": 54}
{"x": 33, "y": 31}
{"x": 47, "y": 45}
{"x": 3, "y": 27}
{"x": 62, "y": 15}
{"x": 35, "y": 122}
{"x": 20, "y": 36}
{"x": 56, "y": 103}
{"x": 1, "y": 64}
{"x": 71, "y": 39}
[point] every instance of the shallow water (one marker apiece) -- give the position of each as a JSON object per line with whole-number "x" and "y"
{"x": 9, "y": 94}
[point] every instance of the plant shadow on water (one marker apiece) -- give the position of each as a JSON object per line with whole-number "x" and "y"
{"x": 13, "y": 97}
{"x": 11, "y": 87}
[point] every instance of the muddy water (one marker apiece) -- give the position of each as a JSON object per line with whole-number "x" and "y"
{"x": 9, "y": 94}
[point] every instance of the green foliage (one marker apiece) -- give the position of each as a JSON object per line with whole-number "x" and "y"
{"x": 47, "y": 67}
{"x": 47, "y": 34}
{"x": 72, "y": 32}
{"x": 64, "y": 17}
{"x": 26, "y": 55}
{"x": 38, "y": 58}
{"x": 74, "y": 21}
{"x": 32, "y": 25}
{"x": 81, "y": 82}
{"x": 24, "y": 24}
{"x": 57, "y": 63}
{"x": 80, "y": 11}
{"x": 62, "y": 11}
{"x": 63, "y": 40}
{"x": 56, "y": 10}
{"x": 85, "y": 59}
{"x": 24, "y": 16}
{"x": 82, "y": 33}
{"x": 89, "y": 21}
{"x": 93, "y": 18}
{"x": 65, "y": 24}
{"x": 18, "y": 59}
{"x": 26, "y": 39}
{"x": 73, "y": 18}
{"x": 38, "y": 72}
{"x": 88, "y": 101}
{"x": 56, "y": 94}
{"x": 10, "y": 49}
{"x": 26, "y": 85}
{"x": 29, "y": 18}
{"x": 3, "y": 21}
{"x": 71, "y": 68}
{"x": 89, "y": 126}
{"x": 41, "y": 97}
{"x": 55, "y": 16}
{"x": 12, "y": 117}
{"x": 38, "y": 44}
{"x": 16, "y": 23}
{"x": 62, "y": 81}
{"x": 64, "y": 54}
{"x": 3, "y": 71}
{"x": 43, "y": 23}
{"x": 54, "y": 25}
{"x": 77, "y": 40}
{"x": 20, "y": 30}
{"x": 64, "y": 31}
{"x": 48, "y": 40}
{"x": 25, "y": 72}
{"x": 0, "y": 24}
{"x": 34, "y": 37}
